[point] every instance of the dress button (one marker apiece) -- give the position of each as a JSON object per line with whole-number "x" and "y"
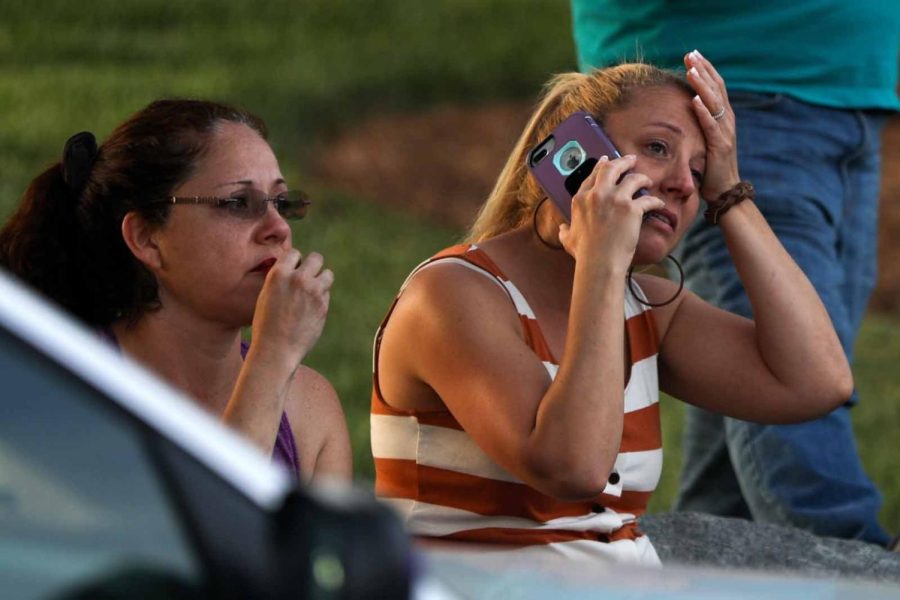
{"x": 613, "y": 478}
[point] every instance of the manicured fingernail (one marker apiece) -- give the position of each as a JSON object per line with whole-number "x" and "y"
{"x": 603, "y": 158}
{"x": 693, "y": 71}
{"x": 697, "y": 54}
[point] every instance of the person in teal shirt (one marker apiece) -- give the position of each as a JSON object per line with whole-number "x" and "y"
{"x": 811, "y": 85}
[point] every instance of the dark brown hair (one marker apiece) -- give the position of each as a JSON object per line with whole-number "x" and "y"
{"x": 67, "y": 243}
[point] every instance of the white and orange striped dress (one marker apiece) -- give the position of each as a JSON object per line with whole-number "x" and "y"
{"x": 446, "y": 488}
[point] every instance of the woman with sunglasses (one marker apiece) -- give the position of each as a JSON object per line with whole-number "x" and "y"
{"x": 169, "y": 238}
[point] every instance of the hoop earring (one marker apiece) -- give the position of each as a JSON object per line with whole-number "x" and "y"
{"x": 670, "y": 300}
{"x": 534, "y": 226}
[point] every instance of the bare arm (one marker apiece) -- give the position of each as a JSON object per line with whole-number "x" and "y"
{"x": 477, "y": 363}
{"x": 787, "y": 364}
{"x": 562, "y": 437}
{"x": 320, "y": 429}
{"x": 290, "y": 314}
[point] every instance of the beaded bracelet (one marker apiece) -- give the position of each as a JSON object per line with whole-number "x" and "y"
{"x": 742, "y": 190}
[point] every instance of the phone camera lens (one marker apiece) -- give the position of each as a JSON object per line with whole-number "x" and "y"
{"x": 569, "y": 158}
{"x": 572, "y": 158}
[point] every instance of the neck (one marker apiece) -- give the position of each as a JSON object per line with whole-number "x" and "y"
{"x": 199, "y": 357}
{"x": 524, "y": 258}
{"x": 544, "y": 237}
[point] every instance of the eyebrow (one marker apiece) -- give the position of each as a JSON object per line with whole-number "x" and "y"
{"x": 677, "y": 130}
{"x": 278, "y": 181}
{"x": 669, "y": 126}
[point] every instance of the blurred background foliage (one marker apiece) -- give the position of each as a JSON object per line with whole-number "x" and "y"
{"x": 314, "y": 69}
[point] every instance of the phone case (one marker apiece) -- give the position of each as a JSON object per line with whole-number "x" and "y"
{"x": 562, "y": 161}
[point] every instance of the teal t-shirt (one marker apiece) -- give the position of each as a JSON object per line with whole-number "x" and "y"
{"x": 837, "y": 53}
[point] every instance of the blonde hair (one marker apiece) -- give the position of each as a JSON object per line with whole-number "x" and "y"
{"x": 599, "y": 93}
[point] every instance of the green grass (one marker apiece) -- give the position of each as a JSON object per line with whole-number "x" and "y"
{"x": 877, "y": 417}
{"x": 310, "y": 68}
{"x": 371, "y": 251}
{"x": 307, "y": 66}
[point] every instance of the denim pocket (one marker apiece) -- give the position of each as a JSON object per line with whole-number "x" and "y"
{"x": 754, "y": 100}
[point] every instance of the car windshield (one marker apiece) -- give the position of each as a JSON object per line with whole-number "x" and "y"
{"x": 80, "y": 502}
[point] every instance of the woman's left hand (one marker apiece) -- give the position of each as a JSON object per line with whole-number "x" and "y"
{"x": 717, "y": 122}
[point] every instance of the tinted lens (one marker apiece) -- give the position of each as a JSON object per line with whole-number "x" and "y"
{"x": 245, "y": 204}
{"x": 253, "y": 204}
{"x": 292, "y": 204}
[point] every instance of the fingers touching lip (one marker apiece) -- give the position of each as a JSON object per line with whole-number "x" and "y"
{"x": 264, "y": 266}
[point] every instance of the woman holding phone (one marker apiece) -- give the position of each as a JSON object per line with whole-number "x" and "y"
{"x": 169, "y": 238}
{"x": 516, "y": 376}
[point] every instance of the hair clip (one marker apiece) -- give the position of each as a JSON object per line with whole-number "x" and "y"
{"x": 78, "y": 159}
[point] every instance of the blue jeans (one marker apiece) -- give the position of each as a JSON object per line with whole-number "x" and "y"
{"x": 816, "y": 172}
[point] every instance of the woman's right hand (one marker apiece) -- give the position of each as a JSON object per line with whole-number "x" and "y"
{"x": 292, "y": 307}
{"x": 606, "y": 221}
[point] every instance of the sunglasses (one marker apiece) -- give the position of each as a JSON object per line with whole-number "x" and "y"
{"x": 251, "y": 204}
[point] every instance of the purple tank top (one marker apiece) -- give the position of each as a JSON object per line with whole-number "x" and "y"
{"x": 285, "y": 450}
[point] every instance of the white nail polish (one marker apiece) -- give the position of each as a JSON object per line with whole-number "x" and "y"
{"x": 693, "y": 71}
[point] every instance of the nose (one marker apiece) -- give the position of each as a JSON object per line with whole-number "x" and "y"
{"x": 272, "y": 227}
{"x": 679, "y": 182}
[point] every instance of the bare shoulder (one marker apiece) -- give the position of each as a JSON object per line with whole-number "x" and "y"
{"x": 445, "y": 277}
{"x": 445, "y": 306}
{"x": 312, "y": 400}
{"x": 317, "y": 420}
{"x": 443, "y": 292}
{"x": 312, "y": 387}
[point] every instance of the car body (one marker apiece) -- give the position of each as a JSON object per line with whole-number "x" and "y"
{"x": 114, "y": 485}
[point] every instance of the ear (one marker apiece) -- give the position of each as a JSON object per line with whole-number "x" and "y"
{"x": 140, "y": 237}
